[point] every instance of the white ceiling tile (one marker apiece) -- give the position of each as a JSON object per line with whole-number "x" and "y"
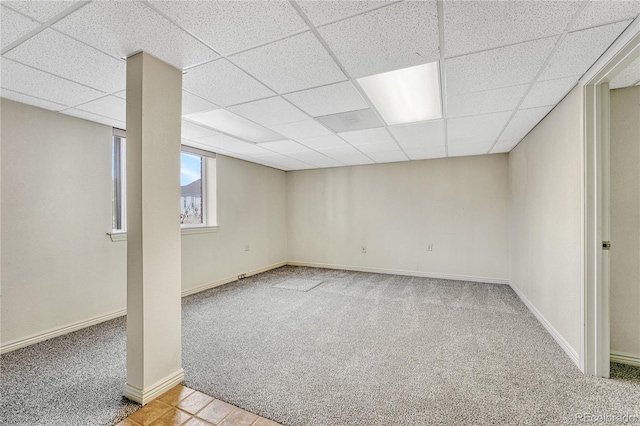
{"x": 63, "y": 56}
{"x": 376, "y": 147}
{"x": 388, "y": 156}
{"x": 488, "y": 101}
{"x": 14, "y": 26}
{"x": 322, "y": 142}
{"x": 347, "y": 155}
{"x": 121, "y": 94}
{"x": 505, "y": 146}
{"x": 295, "y": 63}
{"x": 94, "y": 117}
{"x": 230, "y": 144}
{"x": 628, "y": 76}
{"x": 223, "y": 83}
{"x": 331, "y": 99}
{"x": 270, "y": 112}
{"x": 426, "y": 153}
{"x": 284, "y": 147}
{"x": 121, "y": 28}
{"x": 464, "y": 149}
{"x": 601, "y": 12}
{"x": 192, "y": 104}
{"x": 355, "y": 160}
{"x": 192, "y": 131}
{"x": 320, "y": 12}
{"x": 476, "y": 129}
{"x": 109, "y": 106}
{"x": 368, "y": 136}
{"x": 23, "y": 79}
{"x": 523, "y": 121}
{"x": 549, "y": 92}
{"x": 30, "y": 100}
{"x": 580, "y": 49}
{"x": 502, "y": 67}
{"x": 231, "y": 26}
{"x": 311, "y": 157}
{"x": 398, "y": 36}
{"x": 420, "y": 136}
{"x": 471, "y": 26}
{"x": 287, "y": 162}
{"x": 301, "y": 129}
{"x": 39, "y": 10}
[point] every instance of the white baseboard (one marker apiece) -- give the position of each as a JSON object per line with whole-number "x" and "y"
{"x": 41, "y": 337}
{"x": 231, "y": 279}
{"x": 488, "y": 280}
{"x": 573, "y": 355}
{"x": 143, "y": 396}
{"x": 625, "y": 358}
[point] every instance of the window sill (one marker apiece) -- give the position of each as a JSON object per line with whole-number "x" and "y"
{"x": 122, "y": 236}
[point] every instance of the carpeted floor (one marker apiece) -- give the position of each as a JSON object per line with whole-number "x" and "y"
{"x": 355, "y": 349}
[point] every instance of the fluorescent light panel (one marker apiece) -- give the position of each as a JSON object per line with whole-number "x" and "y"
{"x": 234, "y": 125}
{"x": 407, "y": 95}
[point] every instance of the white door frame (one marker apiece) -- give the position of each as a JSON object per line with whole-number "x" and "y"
{"x": 595, "y": 333}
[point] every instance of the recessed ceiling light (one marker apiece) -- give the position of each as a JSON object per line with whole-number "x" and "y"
{"x": 234, "y": 125}
{"x": 406, "y": 95}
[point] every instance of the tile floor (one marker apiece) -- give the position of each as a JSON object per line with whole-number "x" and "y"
{"x": 182, "y": 406}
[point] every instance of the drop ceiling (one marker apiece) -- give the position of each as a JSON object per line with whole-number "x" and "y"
{"x": 287, "y": 66}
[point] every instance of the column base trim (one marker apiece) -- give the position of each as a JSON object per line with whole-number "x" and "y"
{"x": 144, "y": 396}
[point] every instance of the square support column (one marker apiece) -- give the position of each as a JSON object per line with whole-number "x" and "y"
{"x": 154, "y": 108}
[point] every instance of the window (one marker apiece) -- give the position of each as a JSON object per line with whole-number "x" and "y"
{"x": 191, "y": 190}
{"x": 118, "y": 170}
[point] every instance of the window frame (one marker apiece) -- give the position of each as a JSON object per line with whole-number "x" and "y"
{"x": 119, "y": 179}
{"x": 203, "y": 191}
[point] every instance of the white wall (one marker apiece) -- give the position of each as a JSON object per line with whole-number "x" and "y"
{"x": 545, "y": 220}
{"x": 58, "y": 265}
{"x": 395, "y": 209}
{"x": 625, "y": 222}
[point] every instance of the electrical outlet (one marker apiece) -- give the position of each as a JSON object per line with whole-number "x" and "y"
{"x": 246, "y": 247}
{"x": 430, "y": 247}
{"x": 364, "y": 249}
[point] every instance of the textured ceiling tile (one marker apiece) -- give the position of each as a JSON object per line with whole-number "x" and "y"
{"x": 284, "y": 147}
{"x": 223, "y": 83}
{"x": 549, "y": 92}
{"x": 30, "y": 100}
{"x": 270, "y": 112}
{"x": 363, "y": 137}
{"x": 347, "y": 155}
{"x": 301, "y": 129}
{"x": 580, "y": 49}
{"x": 311, "y": 157}
{"x": 424, "y": 154}
{"x": 602, "y": 12}
{"x": 523, "y": 121}
{"x": 375, "y": 147}
{"x": 388, "y": 156}
{"x": 488, "y": 101}
{"x": 628, "y": 76}
{"x": 461, "y": 150}
{"x": 327, "y": 100}
{"x": 286, "y": 163}
{"x": 39, "y": 10}
{"x": 63, "y": 56}
{"x": 476, "y": 129}
{"x": 320, "y": 12}
{"x": 502, "y": 67}
{"x": 109, "y": 106}
{"x": 122, "y": 28}
{"x": 94, "y": 117}
{"x": 471, "y": 26}
{"x": 505, "y": 146}
{"x": 398, "y": 36}
{"x": 295, "y": 63}
{"x": 23, "y": 79}
{"x": 14, "y": 26}
{"x": 233, "y": 145}
{"x": 192, "y": 131}
{"x": 232, "y": 26}
{"x": 323, "y": 142}
{"x": 420, "y": 136}
{"x": 192, "y": 104}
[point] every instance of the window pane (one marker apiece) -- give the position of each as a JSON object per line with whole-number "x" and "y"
{"x": 191, "y": 189}
{"x": 117, "y": 175}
